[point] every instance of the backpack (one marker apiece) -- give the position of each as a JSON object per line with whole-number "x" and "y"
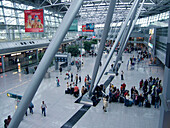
{"x": 147, "y": 104}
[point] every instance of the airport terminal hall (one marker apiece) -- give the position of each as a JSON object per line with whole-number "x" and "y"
{"x": 84, "y": 63}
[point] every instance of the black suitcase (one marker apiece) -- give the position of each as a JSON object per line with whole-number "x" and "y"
{"x": 128, "y": 104}
{"x": 121, "y": 100}
{"x": 67, "y": 92}
{"x": 136, "y": 102}
{"x": 147, "y": 105}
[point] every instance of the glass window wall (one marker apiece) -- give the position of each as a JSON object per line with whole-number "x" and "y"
{"x": 14, "y": 13}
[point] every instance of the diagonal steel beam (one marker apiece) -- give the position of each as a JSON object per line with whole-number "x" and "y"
{"x": 102, "y": 43}
{"x": 117, "y": 40}
{"x": 45, "y": 63}
{"x": 55, "y": 2}
{"x": 123, "y": 38}
{"x": 49, "y": 1}
{"x": 128, "y": 33}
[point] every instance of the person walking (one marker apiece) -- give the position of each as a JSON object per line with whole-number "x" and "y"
{"x": 76, "y": 79}
{"x": 60, "y": 69}
{"x": 105, "y": 104}
{"x": 79, "y": 78}
{"x": 58, "y": 82}
{"x": 31, "y": 106}
{"x": 88, "y": 77}
{"x": 71, "y": 77}
{"x": 82, "y": 90}
{"x": 43, "y": 108}
{"x": 122, "y": 73}
{"x": 68, "y": 74}
{"x": 85, "y": 79}
{"x": 82, "y": 63}
{"x": 7, "y": 121}
{"x": 128, "y": 65}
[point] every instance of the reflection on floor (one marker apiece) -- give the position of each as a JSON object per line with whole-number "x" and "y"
{"x": 61, "y": 107}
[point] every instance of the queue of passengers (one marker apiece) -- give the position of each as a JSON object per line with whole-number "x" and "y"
{"x": 152, "y": 88}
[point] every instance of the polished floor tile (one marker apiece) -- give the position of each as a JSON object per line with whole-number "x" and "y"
{"x": 61, "y": 107}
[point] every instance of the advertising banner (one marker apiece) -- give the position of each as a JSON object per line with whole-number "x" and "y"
{"x": 151, "y": 38}
{"x": 83, "y": 28}
{"x": 34, "y": 20}
{"x": 90, "y": 27}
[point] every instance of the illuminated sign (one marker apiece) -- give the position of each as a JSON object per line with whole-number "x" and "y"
{"x": 88, "y": 27}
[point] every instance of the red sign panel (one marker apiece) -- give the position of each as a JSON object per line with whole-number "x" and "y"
{"x": 34, "y": 20}
{"x": 83, "y": 28}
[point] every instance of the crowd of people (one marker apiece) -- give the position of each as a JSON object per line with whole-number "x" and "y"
{"x": 148, "y": 88}
{"x": 147, "y": 95}
{"x": 72, "y": 87}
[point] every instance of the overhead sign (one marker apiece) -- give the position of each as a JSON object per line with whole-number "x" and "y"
{"x": 60, "y": 58}
{"x": 88, "y": 27}
{"x": 34, "y": 20}
{"x": 15, "y": 96}
{"x": 74, "y": 26}
{"x": 83, "y": 28}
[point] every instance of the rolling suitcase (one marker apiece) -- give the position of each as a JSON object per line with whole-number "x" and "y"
{"x": 67, "y": 91}
{"x": 121, "y": 99}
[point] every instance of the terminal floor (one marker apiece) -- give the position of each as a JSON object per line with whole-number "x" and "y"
{"x": 61, "y": 107}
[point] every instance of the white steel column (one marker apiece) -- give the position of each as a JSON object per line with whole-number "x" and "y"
{"x": 102, "y": 43}
{"x": 117, "y": 39}
{"x": 164, "y": 121}
{"x": 45, "y": 63}
{"x": 129, "y": 31}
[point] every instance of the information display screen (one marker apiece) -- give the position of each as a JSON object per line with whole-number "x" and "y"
{"x": 34, "y": 20}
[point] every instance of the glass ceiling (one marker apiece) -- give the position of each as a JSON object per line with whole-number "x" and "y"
{"x": 92, "y": 11}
